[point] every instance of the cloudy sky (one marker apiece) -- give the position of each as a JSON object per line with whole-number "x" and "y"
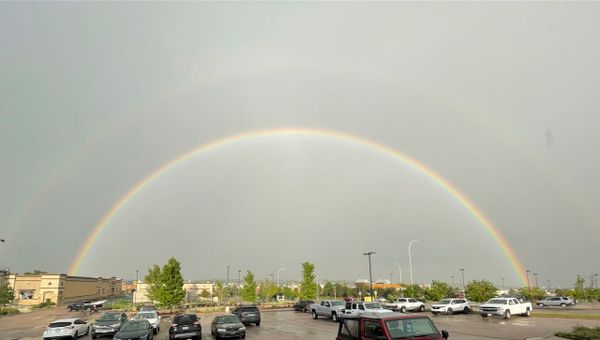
{"x": 499, "y": 99}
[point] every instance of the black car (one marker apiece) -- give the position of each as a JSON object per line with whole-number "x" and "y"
{"x": 77, "y": 306}
{"x": 227, "y": 326}
{"x": 247, "y": 314}
{"x": 303, "y": 305}
{"x": 135, "y": 329}
{"x": 108, "y": 324}
{"x": 185, "y": 326}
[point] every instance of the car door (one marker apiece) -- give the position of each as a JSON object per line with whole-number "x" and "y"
{"x": 80, "y": 326}
{"x": 412, "y": 304}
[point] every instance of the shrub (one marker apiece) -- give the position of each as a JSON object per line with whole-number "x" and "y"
{"x": 581, "y": 333}
{"x": 45, "y": 304}
{"x": 8, "y": 310}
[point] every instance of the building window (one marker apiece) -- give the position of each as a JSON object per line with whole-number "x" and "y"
{"x": 26, "y": 294}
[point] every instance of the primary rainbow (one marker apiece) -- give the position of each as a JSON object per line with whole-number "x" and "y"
{"x": 463, "y": 199}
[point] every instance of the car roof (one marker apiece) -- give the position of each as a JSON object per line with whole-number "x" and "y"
{"x": 65, "y": 320}
{"x": 384, "y": 316}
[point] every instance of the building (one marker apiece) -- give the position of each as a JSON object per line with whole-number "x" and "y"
{"x": 193, "y": 292}
{"x": 61, "y": 288}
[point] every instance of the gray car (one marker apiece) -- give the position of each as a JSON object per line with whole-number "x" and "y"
{"x": 108, "y": 324}
{"x": 556, "y": 301}
{"x": 247, "y": 314}
{"x": 227, "y": 326}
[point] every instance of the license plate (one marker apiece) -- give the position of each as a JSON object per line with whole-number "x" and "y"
{"x": 185, "y": 328}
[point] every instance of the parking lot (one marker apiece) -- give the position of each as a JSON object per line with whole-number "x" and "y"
{"x": 286, "y": 324}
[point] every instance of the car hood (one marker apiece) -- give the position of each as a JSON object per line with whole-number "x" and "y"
{"x": 130, "y": 335}
{"x": 106, "y": 322}
{"x": 440, "y": 305}
{"x": 231, "y": 324}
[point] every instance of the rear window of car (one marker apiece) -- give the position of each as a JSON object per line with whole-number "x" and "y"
{"x": 59, "y": 324}
{"x": 250, "y": 309}
{"x": 185, "y": 319}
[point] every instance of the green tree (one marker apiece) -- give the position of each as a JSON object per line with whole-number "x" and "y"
{"x": 289, "y": 293}
{"x": 532, "y": 294}
{"x": 308, "y": 286}
{"x": 579, "y": 291}
{"x": 414, "y": 291}
{"x": 480, "y": 291}
{"x": 329, "y": 289}
{"x": 6, "y": 295}
{"x": 267, "y": 290}
{"x": 249, "y": 289}
{"x": 438, "y": 291}
{"x": 166, "y": 285}
{"x": 204, "y": 294}
{"x": 36, "y": 272}
{"x": 219, "y": 290}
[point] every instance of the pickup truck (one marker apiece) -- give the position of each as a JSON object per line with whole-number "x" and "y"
{"x": 86, "y": 305}
{"x": 359, "y": 307}
{"x": 505, "y": 307}
{"x": 327, "y": 308}
{"x": 405, "y": 304}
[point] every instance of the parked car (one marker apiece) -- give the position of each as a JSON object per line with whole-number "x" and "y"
{"x": 303, "y": 305}
{"x": 406, "y": 304}
{"x": 185, "y": 326}
{"x": 451, "y": 306}
{"x": 152, "y": 317}
{"x": 66, "y": 328}
{"x": 108, "y": 324}
{"x": 505, "y": 307}
{"x": 388, "y": 326}
{"x": 86, "y": 305}
{"x": 135, "y": 329}
{"x": 358, "y": 307}
{"x": 556, "y": 301}
{"x": 227, "y": 326}
{"x": 328, "y": 308}
{"x": 247, "y": 314}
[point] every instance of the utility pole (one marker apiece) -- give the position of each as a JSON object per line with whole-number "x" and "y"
{"x": 452, "y": 276}
{"x": 239, "y": 276}
{"x": 536, "y": 280}
{"x": 527, "y": 272}
{"x": 227, "y": 274}
{"x": 370, "y": 272}
{"x": 462, "y": 271}
{"x": 502, "y": 283}
{"x": 391, "y": 276}
{"x": 549, "y": 286}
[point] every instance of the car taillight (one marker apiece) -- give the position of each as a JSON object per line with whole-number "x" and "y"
{"x": 173, "y": 325}
{"x": 197, "y": 323}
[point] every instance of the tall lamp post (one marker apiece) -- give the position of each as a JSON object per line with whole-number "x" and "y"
{"x": 410, "y": 260}
{"x": 399, "y": 272}
{"x": 278, "y": 270}
{"x": 452, "y": 276}
{"x": 370, "y": 272}
{"x": 462, "y": 272}
{"x": 227, "y": 274}
{"x": 527, "y": 272}
{"x": 536, "y": 279}
{"x": 239, "y": 276}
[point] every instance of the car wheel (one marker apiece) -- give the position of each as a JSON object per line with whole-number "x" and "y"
{"x": 484, "y": 315}
{"x": 304, "y": 310}
{"x": 87, "y": 331}
{"x": 422, "y": 308}
{"x": 76, "y": 335}
{"x": 244, "y": 336}
{"x": 334, "y": 317}
{"x": 314, "y": 315}
{"x": 466, "y": 310}
{"x": 449, "y": 311}
{"x": 527, "y": 312}
{"x": 434, "y": 313}
{"x": 258, "y": 324}
{"x": 69, "y": 309}
{"x": 542, "y": 305}
{"x": 507, "y": 314}
{"x": 155, "y": 331}
{"x": 402, "y": 309}
{"x": 563, "y": 304}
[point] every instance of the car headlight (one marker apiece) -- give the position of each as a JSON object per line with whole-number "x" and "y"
{"x": 115, "y": 325}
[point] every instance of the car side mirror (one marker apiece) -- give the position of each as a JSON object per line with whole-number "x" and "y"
{"x": 445, "y": 334}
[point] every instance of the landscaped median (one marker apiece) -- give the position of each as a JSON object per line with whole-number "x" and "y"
{"x": 581, "y": 316}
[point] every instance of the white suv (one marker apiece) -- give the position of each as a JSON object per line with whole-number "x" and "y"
{"x": 451, "y": 306}
{"x": 72, "y": 328}
{"x": 152, "y": 317}
{"x": 405, "y": 304}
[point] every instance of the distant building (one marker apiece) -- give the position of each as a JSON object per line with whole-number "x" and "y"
{"x": 193, "y": 292}
{"x": 61, "y": 288}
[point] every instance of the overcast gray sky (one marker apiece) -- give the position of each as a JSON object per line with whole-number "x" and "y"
{"x": 498, "y": 98}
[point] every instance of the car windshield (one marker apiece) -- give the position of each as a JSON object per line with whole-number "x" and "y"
{"x": 250, "y": 309}
{"x": 133, "y": 326}
{"x": 408, "y": 328}
{"x": 497, "y": 301}
{"x": 444, "y": 302}
{"x": 59, "y": 324}
{"x": 110, "y": 317}
{"x": 185, "y": 319}
{"x": 372, "y": 305}
{"x": 149, "y": 315}
{"x": 338, "y": 303}
{"x": 227, "y": 319}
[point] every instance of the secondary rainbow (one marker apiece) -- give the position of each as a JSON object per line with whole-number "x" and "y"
{"x": 459, "y": 196}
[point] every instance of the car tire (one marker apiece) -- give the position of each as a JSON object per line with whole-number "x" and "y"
{"x": 507, "y": 314}
{"x": 403, "y": 309}
{"x": 466, "y": 310}
{"x": 563, "y": 304}
{"x": 484, "y": 315}
{"x": 541, "y": 305}
{"x": 258, "y": 324}
{"x": 422, "y": 308}
{"x": 87, "y": 331}
{"x": 69, "y": 309}
{"x": 334, "y": 317}
{"x": 434, "y": 313}
{"x": 527, "y": 312}
{"x": 304, "y": 310}
{"x": 314, "y": 315}
{"x": 76, "y": 335}
{"x": 449, "y": 311}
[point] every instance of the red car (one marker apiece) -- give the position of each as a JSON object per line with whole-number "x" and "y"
{"x": 388, "y": 326}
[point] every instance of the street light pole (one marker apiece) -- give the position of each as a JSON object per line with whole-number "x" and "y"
{"x": 391, "y": 276}
{"x": 462, "y": 271}
{"x": 227, "y": 274}
{"x": 527, "y": 272}
{"x": 399, "y": 272}
{"x": 502, "y": 283}
{"x": 452, "y": 276}
{"x": 410, "y": 260}
{"x": 536, "y": 279}
{"x": 278, "y": 270}
{"x": 370, "y": 272}
{"x": 239, "y": 276}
